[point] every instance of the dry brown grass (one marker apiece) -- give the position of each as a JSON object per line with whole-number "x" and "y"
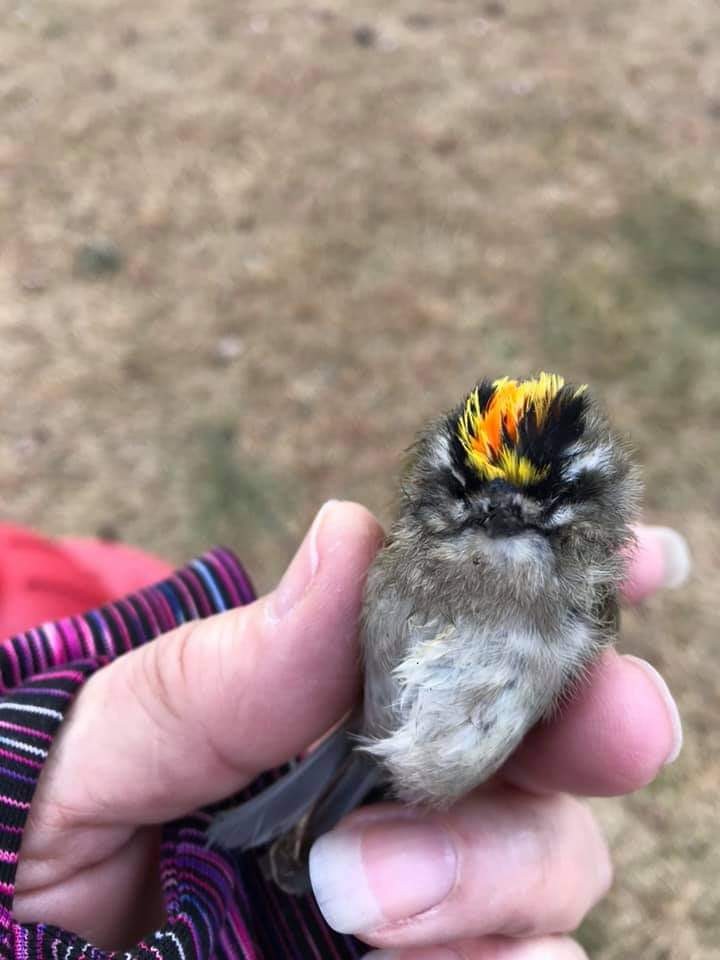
{"x": 323, "y": 236}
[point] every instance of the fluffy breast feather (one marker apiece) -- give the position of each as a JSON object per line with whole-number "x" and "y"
{"x": 461, "y": 697}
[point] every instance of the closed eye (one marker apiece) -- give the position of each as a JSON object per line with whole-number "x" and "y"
{"x": 595, "y": 460}
{"x": 454, "y": 484}
{"x": 587, "y": 485}
{"x": 561, "y": 517}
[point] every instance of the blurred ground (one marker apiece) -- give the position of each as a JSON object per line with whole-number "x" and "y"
{"x": 246, "y": 248}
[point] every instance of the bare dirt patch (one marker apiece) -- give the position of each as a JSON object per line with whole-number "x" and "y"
{"x": 246, "y": 249}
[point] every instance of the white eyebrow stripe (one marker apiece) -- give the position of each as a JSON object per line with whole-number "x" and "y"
{"x": 441, "y": 449}
{"x": 597, "y": 459}
{"x": 441, "y": 452}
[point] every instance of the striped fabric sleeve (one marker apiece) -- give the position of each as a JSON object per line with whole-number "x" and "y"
{"x": 218, "y": 907}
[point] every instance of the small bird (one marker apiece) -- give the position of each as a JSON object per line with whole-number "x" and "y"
{"x": 494, "y": 591}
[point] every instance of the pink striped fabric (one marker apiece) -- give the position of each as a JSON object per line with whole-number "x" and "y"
{"x": 218, "y": 906}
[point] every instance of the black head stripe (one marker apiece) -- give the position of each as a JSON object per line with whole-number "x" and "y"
{"x": 562, "y": 426}
{"x": 542, "y": 443}
{"x": 485, "y": 389}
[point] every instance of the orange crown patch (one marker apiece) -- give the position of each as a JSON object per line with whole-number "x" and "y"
{"x": 488, "y": 436}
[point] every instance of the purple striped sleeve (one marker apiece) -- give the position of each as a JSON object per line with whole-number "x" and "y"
{"x": 219, "y": 907}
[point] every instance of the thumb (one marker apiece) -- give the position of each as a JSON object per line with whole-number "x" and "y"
{"x": 197, "y": 713}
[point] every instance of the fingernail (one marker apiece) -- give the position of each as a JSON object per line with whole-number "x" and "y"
{"x": 672, "y": 708}
{"x": 364, "y": 879}
{"x": 677, "y": 562}
{"x": 436, "y": 953}
{"x": 302, "y": 569}
{"x": 549, "y": 948}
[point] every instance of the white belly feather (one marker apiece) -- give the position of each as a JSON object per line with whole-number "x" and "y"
{"x": 461, "y": 700}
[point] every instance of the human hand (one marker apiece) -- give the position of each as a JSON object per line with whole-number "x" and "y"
{"x": 512, "y": 868}
{"x": 194, "y": 715}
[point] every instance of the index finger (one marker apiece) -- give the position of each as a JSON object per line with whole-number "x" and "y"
{"x": 621, "y": 726}
{"x": 660, "y": 558}
{"x": 614, "y": 735}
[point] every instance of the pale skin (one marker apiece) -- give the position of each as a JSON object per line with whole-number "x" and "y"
{"x": 225, "y": 692}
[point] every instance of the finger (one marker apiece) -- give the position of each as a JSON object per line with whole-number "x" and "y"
{"x": 501, "y": 862}
{"x": 490, "y": 948}
{"x": 660, "y": 558}
{"x": 615, "y": 734}
{"x": 192, "y": 716}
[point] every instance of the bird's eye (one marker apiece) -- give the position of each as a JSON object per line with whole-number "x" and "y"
{"x": 560, "y": 517}
{"x": 586, "y": 486}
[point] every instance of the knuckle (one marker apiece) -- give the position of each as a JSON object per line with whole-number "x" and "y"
{"x": 521, "y": 922}
{"x": 572, "y": 868}
{"x": 568, "y": 915}
{"x": 165, "y": 677}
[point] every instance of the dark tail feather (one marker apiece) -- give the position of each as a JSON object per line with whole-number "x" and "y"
{"x": 287, "y": 859}
{"x": 281, "y": 806}
{"x": 358, "y": 778}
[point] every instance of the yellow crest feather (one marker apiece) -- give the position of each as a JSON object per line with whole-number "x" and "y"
{"x": 488, "y": 436}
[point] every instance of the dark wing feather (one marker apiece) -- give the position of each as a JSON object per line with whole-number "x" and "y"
{"x": 281, "y": 806}
{"x": 287, "y": 860}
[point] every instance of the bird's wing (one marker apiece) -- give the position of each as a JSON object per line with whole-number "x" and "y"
{"x": 282, "y": 805}
{"x": 287, "y": 859}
